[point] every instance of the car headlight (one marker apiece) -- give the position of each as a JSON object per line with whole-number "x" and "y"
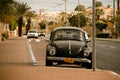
{"x": 86, "y": 52}
{"x": 52, "y": 51}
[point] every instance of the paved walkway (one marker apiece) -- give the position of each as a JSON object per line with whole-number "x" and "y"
{"x": 16, "y": 64}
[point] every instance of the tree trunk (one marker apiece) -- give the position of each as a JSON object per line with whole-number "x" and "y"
{"x": 28, "y": 25}
{"x": 118, "y": 3}
{"x": 20, "y": 23}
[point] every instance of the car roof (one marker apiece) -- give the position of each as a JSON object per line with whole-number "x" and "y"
{"x": 32, "y": 30}
{"x": 68, "y": 27}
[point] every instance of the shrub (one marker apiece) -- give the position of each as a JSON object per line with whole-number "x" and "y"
{"x": 5, "y": 35}
{"x": 102, "y": 35}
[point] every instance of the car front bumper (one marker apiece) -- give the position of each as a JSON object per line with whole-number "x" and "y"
{"x": 69, "y": 60}
{"x": 32, "y": 36}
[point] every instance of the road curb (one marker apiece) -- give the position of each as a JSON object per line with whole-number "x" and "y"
{"x": 104, "y": 39}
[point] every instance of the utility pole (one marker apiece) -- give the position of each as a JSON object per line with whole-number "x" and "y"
{"x": 78, "y": 13}
{"x": 65, "y": 21}
{"x": 118, "y": 3}
{"x": 94, "y": 36}
{"x": 114, "y": 15}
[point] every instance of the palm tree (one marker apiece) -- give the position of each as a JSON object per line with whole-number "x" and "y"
{"x": 99, "y": 12}
{"x": 21, "y": 11}
{"x": 62, "y": 14}
{"x": 30, "y": 14}
{"x": 6, "y": 9}
{"x": 118, "y": 6}
{"x": 81, "y": 8}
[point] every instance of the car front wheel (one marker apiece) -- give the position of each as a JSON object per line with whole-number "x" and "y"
{"x": 87, "y": 65}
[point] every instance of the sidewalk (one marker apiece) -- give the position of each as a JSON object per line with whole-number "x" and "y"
{"x": 16, "y": 64}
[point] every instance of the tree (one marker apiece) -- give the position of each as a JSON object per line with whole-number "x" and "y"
{"x": 99, "y": 12}
{"x": 118, "y": 6}
{"x": 51, "y": 23}
{"x": 74, "y": 20}
{"x": 98, "y": 4}
{"x": 101, "y": 25}
{"x": 42, "y": 25}
{"x": 29, "y": 15}
{"x": 117, "y": 20}
{"x": 7, "y": 10}
{"x": 13, "y": 24}
{"x": 21, "y": 11}
{"x": 63, "y": 17}
{"x": 81, "y": 8}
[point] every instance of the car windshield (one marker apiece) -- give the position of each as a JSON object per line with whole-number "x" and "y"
{"x": 32, "y": 31}
{"x": 68, "y": 34}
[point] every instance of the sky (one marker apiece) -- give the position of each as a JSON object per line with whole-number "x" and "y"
{"x": 58, "y": 5}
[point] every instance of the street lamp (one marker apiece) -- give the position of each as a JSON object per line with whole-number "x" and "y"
{"x": 65, "y": 22}
{"x": 78, "y": 13}
{"x": 114, "y": 14}
{"x": 94, "y": 35}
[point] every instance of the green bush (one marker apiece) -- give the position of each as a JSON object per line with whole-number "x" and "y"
{"x": 102, "y": 35}
{"x": 5, "y": 35}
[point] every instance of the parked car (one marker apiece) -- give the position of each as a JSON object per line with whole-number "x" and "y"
{"x": 41, "y": 34}
{"x": 32, "y": 34}
{"x": 69, "y": 45}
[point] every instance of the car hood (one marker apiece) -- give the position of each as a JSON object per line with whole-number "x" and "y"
{"x": 69, "y": 48}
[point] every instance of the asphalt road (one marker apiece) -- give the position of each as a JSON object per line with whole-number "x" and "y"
{"x": 107, "y": 53}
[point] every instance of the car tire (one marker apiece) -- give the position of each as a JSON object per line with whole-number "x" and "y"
{"x": 87, "y": 65}
{"x": 48, "y": 63}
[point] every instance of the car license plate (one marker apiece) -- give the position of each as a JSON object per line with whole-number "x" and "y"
{"x": 69, "y": 60}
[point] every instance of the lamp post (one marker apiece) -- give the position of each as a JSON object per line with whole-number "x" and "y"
{"x": 78, "y": 13}
{"x": 114, "y": 14}
{"x": 94, "y": 35}
{"x": 65, "y": 20}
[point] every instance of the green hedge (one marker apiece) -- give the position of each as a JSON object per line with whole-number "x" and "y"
{"x": 102, "y": 35}
{"x": 5, "y": 35}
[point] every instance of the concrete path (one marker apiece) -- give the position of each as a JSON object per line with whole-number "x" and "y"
{"x": 16, "y": 64}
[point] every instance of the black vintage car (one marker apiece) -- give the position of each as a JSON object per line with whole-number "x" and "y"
{"x": 69, "y": 45}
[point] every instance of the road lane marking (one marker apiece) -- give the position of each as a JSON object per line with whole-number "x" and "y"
{"x": 111, "y": 46}
{"x": 36, "y": 40}
{"x": 105, "y": 45}
{"x": 34, "y": 61}
{"x": 29, "y": 40}
{"x": 102, "y": 45}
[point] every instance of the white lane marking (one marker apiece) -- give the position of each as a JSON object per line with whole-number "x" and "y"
{"x": 111, "y": 46}
{"x": 34, "y": 61}
{"x": 36, "y": 40}
{"x": 97, "y": 44}
{"x": 30, "y": 40}
{"x": 108, "y": 46}
{"x": 102, "y": 45}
